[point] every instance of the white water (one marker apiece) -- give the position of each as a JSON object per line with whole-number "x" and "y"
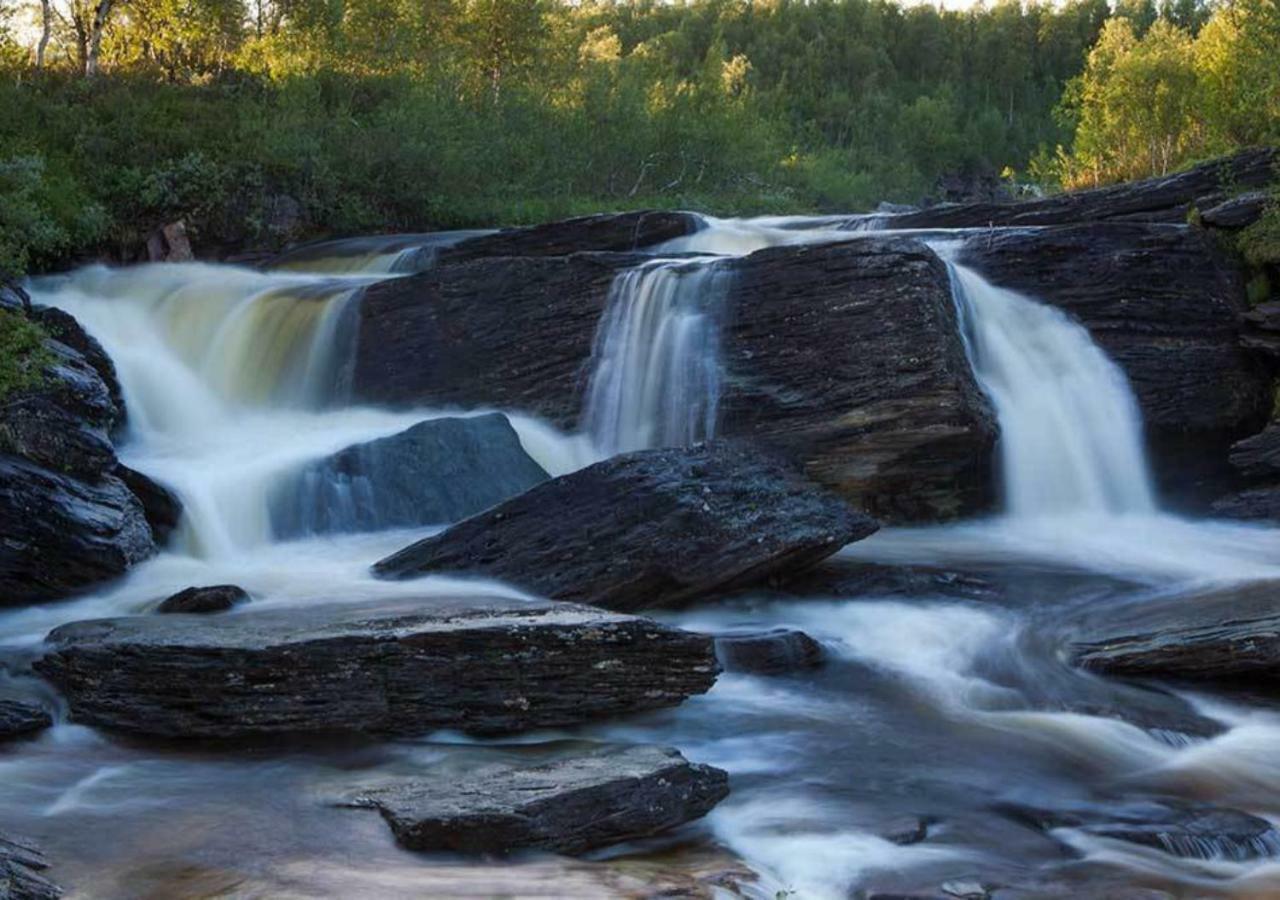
{"x": 656, "y": 365}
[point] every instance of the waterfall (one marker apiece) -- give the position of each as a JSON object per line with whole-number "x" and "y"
{"x": 1070, "y": 428}
{"x": 655, "y": 378}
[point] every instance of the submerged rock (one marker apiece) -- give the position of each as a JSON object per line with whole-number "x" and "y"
{"x": 22, "y": 865}
{"x": 773, "y": 652}
{"x": 218, "y": 598}
{"x": 1220, "y": 634}
{"x": 644, "y": 530}
{"x": 478, "y": 664}
{"x": 19, "y": 717}
{"x": 601, "y": 796}
{"x": 438, "y": 471}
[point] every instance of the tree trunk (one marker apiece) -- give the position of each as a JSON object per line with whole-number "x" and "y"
{"x": 46, "y": 28}
{"x": 100, "y": 13}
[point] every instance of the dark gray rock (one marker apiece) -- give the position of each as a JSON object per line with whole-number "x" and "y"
{"x": 1237, "y": 212}
{"x": 477, "y": 664}
{"x": 438, "y": 471}
{"x": 773, "y": 652}
{"x": 645, "y": 530}
{"x": 65, "y": 329}
{"x": 589, "y": 799}
{"x": 19, "y": 717}
{"x": 160, "y": 505}
{"x": 1168, "y": 199}
{"x": 1165, "y": 303}
{"x": 22, "y": 865}
{"x": 1253, "y": 504}
{"x": 218, "y": 598}
{"x": 602, "y": 232}
{"x": 846, "y": 355}
{"x": 62, "y": 535}
{"x": 1258, "y": 456}
{"x": 1220, "y": 634}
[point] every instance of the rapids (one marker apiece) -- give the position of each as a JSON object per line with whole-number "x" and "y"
{"x": 937, "y": 708}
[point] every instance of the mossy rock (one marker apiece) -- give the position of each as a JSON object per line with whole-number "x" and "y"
{"x": 23, "y": 354}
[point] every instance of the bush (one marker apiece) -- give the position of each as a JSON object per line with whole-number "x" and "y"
{"x": 23, "y": 354}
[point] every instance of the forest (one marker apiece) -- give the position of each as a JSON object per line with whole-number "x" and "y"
{"x": 258, "y": 122}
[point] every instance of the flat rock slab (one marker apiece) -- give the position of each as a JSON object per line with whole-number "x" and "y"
{"x": 650, "y": 529}
{"x": 1222, "y": 634}
{"x": 608, "y": 794}
{"x": 477, "y": 664}
{"x": 22, "y": 865}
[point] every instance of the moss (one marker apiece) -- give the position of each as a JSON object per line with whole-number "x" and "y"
{"x": 1258, "y": 290}
{"x": 23, "y": 354}
{"x": 1260, "y": 242}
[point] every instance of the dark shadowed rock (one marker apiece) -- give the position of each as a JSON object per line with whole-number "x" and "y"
{"x": 218, "y": 598}
{"x": 19, "y": 717}
{"x": 1165, "y": 304}
{"x": 64, "y": 328}
{"x": 22, "y": 865}
{"x": 847, "y": 356}
{"x": 1258, "y": 456}
{"x": 62, "y": 535}
{"x": 1220, "y": 634}
{"x": 1256, "y": 504}
{"x": 603, "y": 232}
{"x": 438, "y": 471}
{"x": 648, "y": 529}
{"x": 1237, "y": 212}
{"x": 161, "y": 506}
{"x": 589, "y": 799}
{"x": 479, "y": 664}
{"x": 771, "y": 652}
{"x": 1167, "y": 199}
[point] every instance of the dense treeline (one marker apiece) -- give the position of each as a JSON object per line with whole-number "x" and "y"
{"x": 259, "y": 120}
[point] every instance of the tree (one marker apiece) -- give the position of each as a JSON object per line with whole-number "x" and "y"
{"x": 46, "y": 31}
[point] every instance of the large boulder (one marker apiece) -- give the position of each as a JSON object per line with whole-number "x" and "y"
{"x": 1165, "y": 304}
{"x": 203, "y": 600}
{"x": 648, "y": 529}
{"x": 1169, "y": 199}
{"x": 847, "y": 355}
{"x": 438, "y": 471}
{"x": 587, "y": 799}
{"x": 1221, "y": 634}
{"x": 477, "y": 664}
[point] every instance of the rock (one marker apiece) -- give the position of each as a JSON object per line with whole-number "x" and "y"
{"x": 161, "y": 506}
{"x": 907, "y": 830}
{"x": 169, "y": 243}
{"x": 590, "y": 799}
{"x": 283, "y": 218}
{"x": 21, "y": 868}
{"x": 438, "y": 471}
{"x": 1254, "y": 504}
{"x": 219, "y": 598}
{"x": 19, "y": 717}
{"x": 1169, "y": 199}
{"x": 1165, "y": 304}
{"x": 648, "y": 529}
{"x": 1218, "y": 634}
{"x": 846, "y": 355}
{"x": 773, "y": 652}
{"x": 603, "y": 232}
{"x": 1258, "y": 456}
{"x": 1237, "y": 212}
{"x": 63, "y": 535}
{"x": 1191, "y": 832}
{"x": 65, "y": 329}
{"x": 477, "y": 664}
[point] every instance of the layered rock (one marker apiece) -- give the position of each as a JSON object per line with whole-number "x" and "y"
{"x": 438, "y": 471}
{"x": 161, "y": 506}
{"x": 1223, "y": 634}
{"x": 584, "y": 800}
{"x": 602, "y": 232}
{"x": 21, "y": 717}
{"x": 648, "y": 529}
{"x": 847, "y": 355}
{"x": 1165, "y": 304}
{"x": 1169, "y": 199}
{"x": 22, "y": 867}
{"x": 476, "y": 664}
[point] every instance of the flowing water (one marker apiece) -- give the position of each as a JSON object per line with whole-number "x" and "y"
{"x": 939, "y": 708}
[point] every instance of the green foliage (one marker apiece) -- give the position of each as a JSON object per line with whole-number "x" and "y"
{"x": 1260, "y": 242}
{"x": 23, "y": 354}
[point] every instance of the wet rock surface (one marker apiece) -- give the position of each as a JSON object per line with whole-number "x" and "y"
{"x": 650, "y": 529}
{"x": 161, "y": 506}
{"x": 438, "y": 471}
{"x": 1221, "y": 634}
{"x": 770, "y": 652}
{"x": 475, "y": 664}
{"x": 22, "y": 867}
{"x": 604, "y": 232}
{"x": 22, "y": 717}
{"x": 587, "y": 799}
{"x": 218, "y": 598}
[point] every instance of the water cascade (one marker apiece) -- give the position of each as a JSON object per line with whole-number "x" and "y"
{"x": 655, "y": 378}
